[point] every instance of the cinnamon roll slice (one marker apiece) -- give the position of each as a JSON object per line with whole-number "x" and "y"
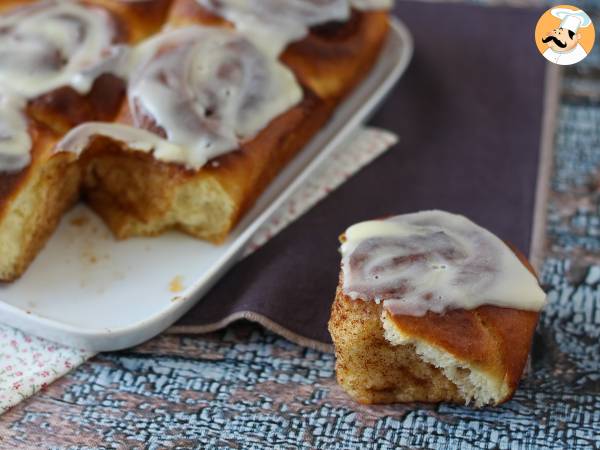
{"x": 431, "y": 307}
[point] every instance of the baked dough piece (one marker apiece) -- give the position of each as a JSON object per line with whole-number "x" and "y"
{"x": 426, "y": 359}
{"x": 63, "y": 107}
{"x": 334, "y": 57}
{"x": 473, "y": 356}
{"x": 33, "y": 200}
{"x": 36, "y": 192}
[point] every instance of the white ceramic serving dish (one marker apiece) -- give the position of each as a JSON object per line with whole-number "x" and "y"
{"x": 89, "y": 291}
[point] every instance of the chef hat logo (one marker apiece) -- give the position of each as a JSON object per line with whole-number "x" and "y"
{"x": 565, "y": 35}
{"x": 570, "y": 19}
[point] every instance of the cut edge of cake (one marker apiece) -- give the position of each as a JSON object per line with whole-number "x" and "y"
{"x": 474, "y": 385}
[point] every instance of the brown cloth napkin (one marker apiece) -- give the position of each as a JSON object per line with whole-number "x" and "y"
{"x": 469, "y": 116}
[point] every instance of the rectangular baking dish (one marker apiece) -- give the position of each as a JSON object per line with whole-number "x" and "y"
{"x": 87, "y": 290}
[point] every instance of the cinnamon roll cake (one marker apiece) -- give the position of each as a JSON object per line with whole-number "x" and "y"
{"x": 164, "y": 114}
{"x": 430, "y": 307}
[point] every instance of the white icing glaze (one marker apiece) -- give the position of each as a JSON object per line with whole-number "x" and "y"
{"x": 77, "y": 140}
{"x": 434, "y": 261}
{"x": 15, "y": 142}
{"x": 369, "y": 5}
{"x": 276, "y": 23}
{"x": 48, "y": 45}
{"x": 208, "y": 89}
{"x": 45, "y": 46}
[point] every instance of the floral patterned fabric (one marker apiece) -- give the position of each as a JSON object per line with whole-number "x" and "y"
{"x": 28, "y": 364}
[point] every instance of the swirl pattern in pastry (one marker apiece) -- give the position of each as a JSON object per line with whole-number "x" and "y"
{"x": 48, "y": 45}
{"x": 45, "y": 46}
{"x": 434, "y": 261}
{"x": 204, "y": 90}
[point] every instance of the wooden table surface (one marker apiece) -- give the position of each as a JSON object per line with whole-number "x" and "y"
{"x": 248, "y": 388}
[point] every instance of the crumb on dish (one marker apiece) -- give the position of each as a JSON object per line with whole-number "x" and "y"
{"x": 176, "y": 284}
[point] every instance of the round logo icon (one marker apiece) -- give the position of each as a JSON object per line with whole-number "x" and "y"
{"x": 564, "y": 35}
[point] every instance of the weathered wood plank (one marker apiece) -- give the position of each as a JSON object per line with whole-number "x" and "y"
{"x": 246, "y": 388}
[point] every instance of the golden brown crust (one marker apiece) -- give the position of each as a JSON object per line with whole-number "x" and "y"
{"x": 43, "y": 141}
{"x": 54, "y": 188}
{"x": 491, "y": 339}
{"x": 65, "y": 108}
{"x": 32, "y": 203}
{"x": 332, "y": 59}
{"x": 495, "y": 339}
{"x": 7, "y": 5}
{"x": 138, "y": 19}
{"x": 245, "y": 173}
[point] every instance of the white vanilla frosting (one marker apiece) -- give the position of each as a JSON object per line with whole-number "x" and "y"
{"x": 434, "y": 261}
{"x": 203, "y": 89}
{"x": 53, "y": 44}
{"x": 15, "y": 142}
{"x": 206, "y": 88}
{"x": 45, "y": 46}
{"x": 277, "y": 23}
{"x": 77, "y": 140}
{"x": 367, "y": 5}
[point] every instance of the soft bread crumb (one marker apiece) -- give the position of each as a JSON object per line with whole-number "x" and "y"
{"x": 474, "y": 385}
{"x": 176, "y": 284}
{"x": 33, "y": 215}
{"x": 137, "y": 197}
{"x": 79, "y": 221}
{"x": 371, "y": 369}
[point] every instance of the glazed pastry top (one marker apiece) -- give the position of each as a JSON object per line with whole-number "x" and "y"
{"x": 45, "y": 46}
{"x": 277, "y": 23}
{"x": 48, "y": 45}
{"x": 194, "y": 93}
{"x": 434, "y": 261}
{"x": 208, "y": 89}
